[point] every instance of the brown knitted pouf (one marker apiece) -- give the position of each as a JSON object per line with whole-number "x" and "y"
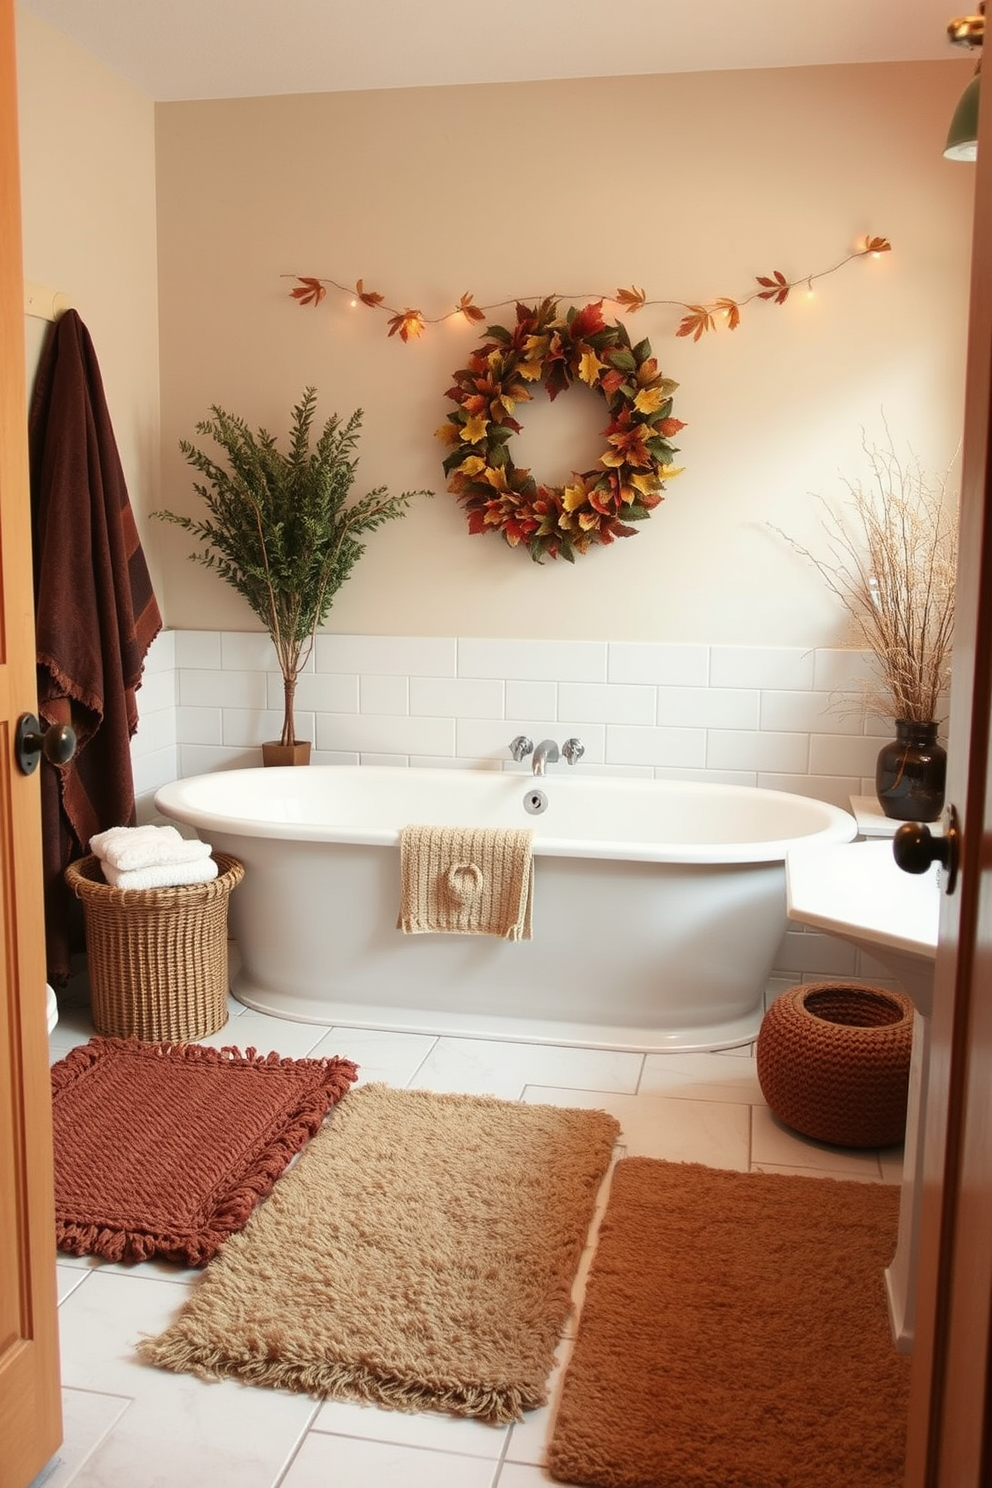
{"x": 833, "y": 1062}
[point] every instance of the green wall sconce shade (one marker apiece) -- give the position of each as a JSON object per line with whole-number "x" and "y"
{"x": 962, "y": 137}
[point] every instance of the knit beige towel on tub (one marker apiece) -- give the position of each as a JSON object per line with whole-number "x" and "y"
{"x": 466, "y": 881}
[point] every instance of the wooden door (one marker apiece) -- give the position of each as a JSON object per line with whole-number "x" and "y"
{"x": 30, "y": 1403}
{"x": 950, "y": 1433}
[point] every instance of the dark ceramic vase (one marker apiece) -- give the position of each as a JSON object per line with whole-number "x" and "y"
{"x": 911, "y": 772}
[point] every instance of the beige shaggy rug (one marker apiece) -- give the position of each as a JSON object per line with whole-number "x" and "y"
{"x": 419, "y": 1255}
{"x": 735, "y": 1334}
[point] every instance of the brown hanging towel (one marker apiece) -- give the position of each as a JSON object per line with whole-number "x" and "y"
{"x": 95, "y": 613}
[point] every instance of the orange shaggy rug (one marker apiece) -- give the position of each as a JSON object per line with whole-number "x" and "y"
{"x": 735, "y": 1332}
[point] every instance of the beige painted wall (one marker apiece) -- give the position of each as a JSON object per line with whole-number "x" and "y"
{"x": 686, "y": 185}
{"x": 88, "y": 207}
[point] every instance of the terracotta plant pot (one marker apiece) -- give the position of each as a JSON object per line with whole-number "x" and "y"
{"x": 297, "y": 753}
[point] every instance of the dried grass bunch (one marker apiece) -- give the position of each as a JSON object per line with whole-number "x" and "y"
{"x": 893, "y": 565}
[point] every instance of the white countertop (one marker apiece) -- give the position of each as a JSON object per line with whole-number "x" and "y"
{"x": 857, "y": 890}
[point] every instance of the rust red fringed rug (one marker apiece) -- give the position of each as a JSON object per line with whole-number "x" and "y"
{"x": 165, "y": 1149}
{"x": 735, "y": 1331}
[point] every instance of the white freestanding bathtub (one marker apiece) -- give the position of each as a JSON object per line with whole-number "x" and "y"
{"x": 658, "y": 905}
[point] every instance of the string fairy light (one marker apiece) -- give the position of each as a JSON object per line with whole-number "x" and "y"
{"x": 697, "y": 320}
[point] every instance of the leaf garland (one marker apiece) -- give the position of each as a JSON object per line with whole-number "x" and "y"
{"x": 596, "y": 506}
{"x": 409, "y": 324}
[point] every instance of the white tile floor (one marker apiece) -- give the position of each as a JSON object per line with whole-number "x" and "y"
{"x": 129, "y": 1425}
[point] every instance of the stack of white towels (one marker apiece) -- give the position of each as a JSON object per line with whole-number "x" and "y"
{"x": 152, "y": 858}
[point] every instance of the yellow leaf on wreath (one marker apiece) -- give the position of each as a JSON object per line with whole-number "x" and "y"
{"x": 536, "y": 348}
{"x": 649, "y": 400}
{"x": 572, "y": 497}
{"x": 472, "y": 465}
{"x": 474, "y": 429}
{"x": 590, "y": 367}
{"x": 496, "y": 476}
{"x": 647, "y": 485}
{"x": 530, "y": 370}
{"x": 669, "y": 472}
{"x": 509, "y": 398}
{"x": 448, "y": 433}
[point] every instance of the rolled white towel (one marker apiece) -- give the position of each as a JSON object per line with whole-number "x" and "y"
{"x": 130, "y": 848}
{"x": 160, "y": 875}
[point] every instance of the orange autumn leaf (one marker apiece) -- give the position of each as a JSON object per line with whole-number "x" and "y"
{"x": 877, "y": 245}
{"x": 731, "y": 312}
{"x": 470, "y": 311}
{"x": 409, "y": 325}
{"x": 367, "y": 296}
{"x": 777, "y": 288}
{"x": 308, "y": 291}
{"x": 698, "y": 320}
{"x": 611, "y": 381}
{"x": 631, "y": 299}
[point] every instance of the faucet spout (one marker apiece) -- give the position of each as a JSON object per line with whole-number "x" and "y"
{"x": 546, "y": 753}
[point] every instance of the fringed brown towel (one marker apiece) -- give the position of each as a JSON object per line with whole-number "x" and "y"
{"x": 466, "y": 881}
{"x": 95, "y": 613}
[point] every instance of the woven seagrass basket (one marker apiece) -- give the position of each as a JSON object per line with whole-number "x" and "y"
{"x": 157, "y": 958}
{"x": 833, "y": 1062}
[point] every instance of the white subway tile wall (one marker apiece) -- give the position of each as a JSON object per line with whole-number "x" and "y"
{"x": 783, "y": 718}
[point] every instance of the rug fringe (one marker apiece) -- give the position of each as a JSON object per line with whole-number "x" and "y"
{"x": 69, "y": 1068}
{"x": 499, "y": 1405}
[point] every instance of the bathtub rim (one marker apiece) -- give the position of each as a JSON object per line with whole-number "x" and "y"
{"x": 838, "y": 825}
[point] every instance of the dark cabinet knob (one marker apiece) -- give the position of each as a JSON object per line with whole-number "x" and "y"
{"x": 914, "y": 848}
{"x": 57, "y": 743}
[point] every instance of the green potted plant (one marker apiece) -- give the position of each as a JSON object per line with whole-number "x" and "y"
{"x": 283, "y": 531}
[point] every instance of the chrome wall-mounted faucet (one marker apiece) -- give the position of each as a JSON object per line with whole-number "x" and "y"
{"x": 573, "y": 750}
{"x": 546, "y": 753}
{"x": 520, "y": 747}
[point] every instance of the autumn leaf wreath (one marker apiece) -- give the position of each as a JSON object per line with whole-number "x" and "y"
{"x": 596, "y": 506}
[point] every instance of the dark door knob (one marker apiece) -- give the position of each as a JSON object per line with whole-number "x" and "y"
{"x": 57, "y": 743}
{"x": 914, "y": 848}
